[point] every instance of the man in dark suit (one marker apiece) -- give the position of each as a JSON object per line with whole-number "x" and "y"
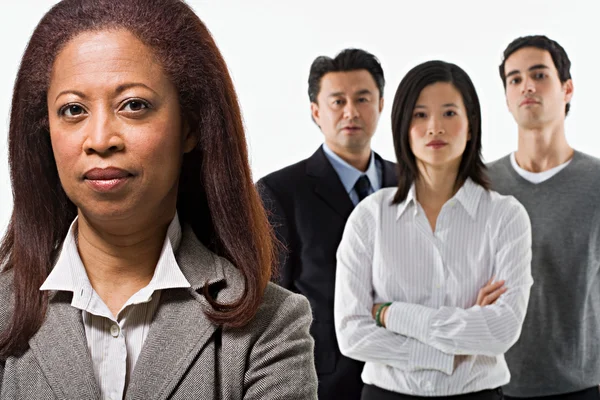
{"x": 309, "y": 202}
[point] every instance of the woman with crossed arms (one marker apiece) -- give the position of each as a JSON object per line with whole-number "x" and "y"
{"x": 413, "y": 258}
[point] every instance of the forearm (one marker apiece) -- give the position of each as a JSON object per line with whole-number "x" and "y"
{"x": 490, "y": 330}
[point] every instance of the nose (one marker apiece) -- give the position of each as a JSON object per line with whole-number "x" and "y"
{"x": 435, "y": 126}
{"x": 528, "y": 86}
{"x": 103, "y": 136}
{"x": 350, "y": 110}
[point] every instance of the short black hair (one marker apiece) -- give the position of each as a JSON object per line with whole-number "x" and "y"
{"x": 346, "y": 60}
{"x": 409, "y": 90}
{"x": 557, "y": 52}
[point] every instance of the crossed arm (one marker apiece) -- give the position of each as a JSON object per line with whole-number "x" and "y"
{"x": 419, "y": 337}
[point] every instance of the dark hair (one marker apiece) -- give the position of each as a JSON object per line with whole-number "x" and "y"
{"x": 216, "y": 193}
{"x": 421, "y": 76}
{"x": 558, "y": 54}
{"x": 346, "y": 60}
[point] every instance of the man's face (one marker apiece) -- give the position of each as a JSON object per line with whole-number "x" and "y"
{"x": 347, "y": 110}
{"x": 534, "y": 93}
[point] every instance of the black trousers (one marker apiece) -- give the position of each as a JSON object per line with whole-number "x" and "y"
{"x": 371, "y": 392}
{"x": 592, "y": 393}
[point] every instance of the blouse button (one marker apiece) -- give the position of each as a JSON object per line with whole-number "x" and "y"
{"x": 115, "y": 330}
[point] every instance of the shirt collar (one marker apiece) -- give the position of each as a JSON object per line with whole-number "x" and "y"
{"x": 348, "y": 174}
{"x": 467, "y": 196}
{"x": 69, "y": 273}
{"x": 410, "y": 200}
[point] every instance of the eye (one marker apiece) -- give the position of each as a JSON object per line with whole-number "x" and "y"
{"x": 71, "y": 110}
{"x": 419, "y": 114}
{"x": 135, "y": 105}
{"x": 450, "y": 113}
{"x": 337, "y": 102}
{"x": 363, "y": 100}
{"x": 539, "y": 76}
{"x": 514, "y": 81}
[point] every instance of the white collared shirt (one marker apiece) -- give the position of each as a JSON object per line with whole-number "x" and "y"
{"x": 437, "y": 341}
{"x": 115, "y": 343}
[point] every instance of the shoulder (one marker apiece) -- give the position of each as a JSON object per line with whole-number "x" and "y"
{"x": 499, "y": 165}
{"x": 373, "y": 208}
{"x": 586, "y": 162}
{"x": 279, "y": 304}
{"x": 281, "y": 178}
{"x": 505, "y": 207}
{"x": 6, "y": 297}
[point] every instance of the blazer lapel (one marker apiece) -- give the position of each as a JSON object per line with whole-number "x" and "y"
{"x": 389, "y": 174}
{"x": 60, "y": 348}
{"x": 328, "y": 185}
{"x": 180, "y": 329}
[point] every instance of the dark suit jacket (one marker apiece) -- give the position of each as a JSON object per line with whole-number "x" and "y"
{"x": 185, "y": 355}
{"x": 308, "y": 208}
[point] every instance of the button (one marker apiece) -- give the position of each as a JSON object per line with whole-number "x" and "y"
{"x": 437, "y": 286}
{"x": 115, "y": 330}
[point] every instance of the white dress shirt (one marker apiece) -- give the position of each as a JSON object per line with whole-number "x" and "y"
{"x": 115, "y": 343}
{"x": 437, "y": 341}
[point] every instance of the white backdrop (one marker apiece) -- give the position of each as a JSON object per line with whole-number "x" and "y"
{"x": 270, "y": 44}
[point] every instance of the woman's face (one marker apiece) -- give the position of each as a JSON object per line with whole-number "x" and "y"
{"x": 116, "y": 129}
{"x": 439, "y": 128}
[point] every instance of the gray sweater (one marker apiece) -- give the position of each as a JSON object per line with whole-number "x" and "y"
{"x": 559, "y": 347}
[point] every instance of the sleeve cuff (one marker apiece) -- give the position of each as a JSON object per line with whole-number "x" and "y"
{"x": 412, "y": 320}
{"x": 423, "y": 356}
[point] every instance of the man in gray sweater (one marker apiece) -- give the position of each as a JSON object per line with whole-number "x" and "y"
{"x": 558, "y": 353}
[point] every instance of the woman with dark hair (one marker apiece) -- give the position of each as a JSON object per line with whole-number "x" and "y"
{"x": 413, "y": 259}
{"x": 138, "y": 256}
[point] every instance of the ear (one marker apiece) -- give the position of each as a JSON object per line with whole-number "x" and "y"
{"x": 314, "y": 110}
{"x": 380, "y": 104}
{"x": 568, "y": 87}
{"x": 190, "y": 140}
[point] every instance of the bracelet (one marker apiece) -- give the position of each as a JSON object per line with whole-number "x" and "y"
{"x": 378, "y": 313}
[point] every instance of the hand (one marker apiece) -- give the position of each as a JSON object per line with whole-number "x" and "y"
{"x": 490, "y": 292}
{"x": 383, "y": 312}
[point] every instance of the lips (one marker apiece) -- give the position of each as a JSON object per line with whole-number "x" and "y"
{"x": 436, "y": 144}
{"x": 105, "y": 174}
{"x": 529, "y": 101}
{"x": 107, "y": 180}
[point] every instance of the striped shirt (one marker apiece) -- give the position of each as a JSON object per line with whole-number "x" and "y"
{"x": 437, "y": 341}
{"x": 115, "y": 343}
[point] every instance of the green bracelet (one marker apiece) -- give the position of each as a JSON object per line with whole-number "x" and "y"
{"x": 378, "y": 313}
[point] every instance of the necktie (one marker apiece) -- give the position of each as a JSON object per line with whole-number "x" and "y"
{"x": 362, "y": 187}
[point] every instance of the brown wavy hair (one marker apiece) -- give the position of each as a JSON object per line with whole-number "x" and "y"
{"x": 216, "y": 195}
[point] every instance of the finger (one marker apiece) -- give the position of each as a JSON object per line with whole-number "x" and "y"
{"x": 491, "y": 287}
{"x": 486, "y": 291}
{"x": 492, "y": 297}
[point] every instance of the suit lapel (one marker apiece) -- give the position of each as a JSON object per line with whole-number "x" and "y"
{"x": 180, "y": 330}
{"x": 328, "y": 186}
{"x": 60, "y": 348}
{"x": 389, "y": 174}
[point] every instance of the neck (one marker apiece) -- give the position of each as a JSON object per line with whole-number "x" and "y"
{"x": 358, "y": 158}
{"x": 120, "y": 262}
{"x": 435, "y": 186}
{"x": 543, "y": 148}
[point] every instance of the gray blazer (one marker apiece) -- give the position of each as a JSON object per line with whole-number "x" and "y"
{"x": 185, "y": 356}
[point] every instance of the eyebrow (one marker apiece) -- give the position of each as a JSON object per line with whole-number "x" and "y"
{"x": 443, "y": 105}
{"x": 363, "y": 91}
{"x": 118, "y": 90}
{"x": 533, "y": 67}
